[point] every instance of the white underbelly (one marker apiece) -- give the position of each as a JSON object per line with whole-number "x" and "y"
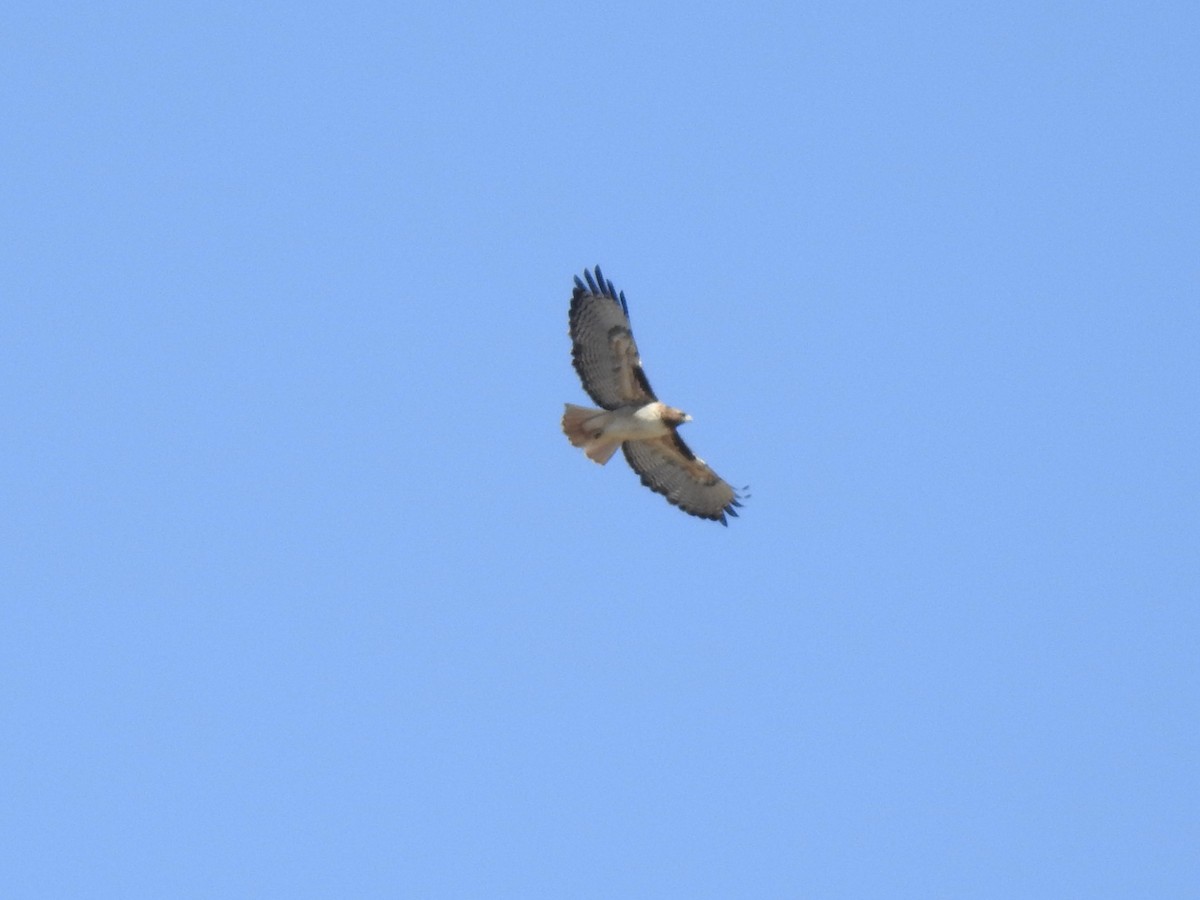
{"x": 636, "y": 424}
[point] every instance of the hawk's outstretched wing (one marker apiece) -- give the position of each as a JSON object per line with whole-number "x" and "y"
{"x": 602, "y": 345}
{"x": 670, "y": 468}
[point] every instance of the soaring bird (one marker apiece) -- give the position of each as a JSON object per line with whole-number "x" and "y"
{"x": 631, "y": 416}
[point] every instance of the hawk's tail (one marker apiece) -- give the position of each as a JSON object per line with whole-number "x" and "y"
{"x": 584, "y": 427}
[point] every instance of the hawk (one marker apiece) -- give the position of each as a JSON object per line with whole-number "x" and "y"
{"x": 631, "y": 416}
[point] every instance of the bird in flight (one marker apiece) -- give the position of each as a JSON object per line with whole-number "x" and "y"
{"x": 631, "y": 416}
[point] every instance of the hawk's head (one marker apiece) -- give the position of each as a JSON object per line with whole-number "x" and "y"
{"x": 673, "y": 416}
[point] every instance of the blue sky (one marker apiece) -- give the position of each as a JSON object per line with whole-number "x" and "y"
{"x": 305, "y": 594}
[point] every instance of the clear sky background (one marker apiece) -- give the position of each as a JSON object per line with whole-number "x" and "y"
{"x": 304, "y": 594}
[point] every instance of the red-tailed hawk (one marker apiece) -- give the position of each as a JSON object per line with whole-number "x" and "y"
{"x": 631, "y": 417}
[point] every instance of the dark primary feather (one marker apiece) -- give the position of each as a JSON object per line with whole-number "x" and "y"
{"x": 603, "y": 288}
